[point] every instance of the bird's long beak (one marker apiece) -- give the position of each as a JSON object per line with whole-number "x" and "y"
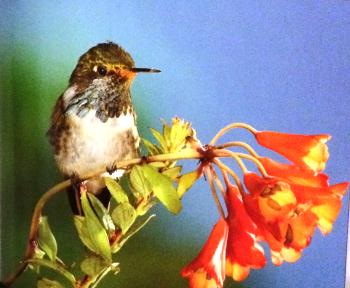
{"x": 144, "y": 70}
{"x": 130, "y": 72}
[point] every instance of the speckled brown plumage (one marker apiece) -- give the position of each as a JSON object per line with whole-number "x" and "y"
{"x": 58, "y": 125}
{"x": 108, "y": 96}
{"x": 102, "y": 53}
{"x": 93, "y": 124}
{"x": 110, "y": 99}
{"x": 77, "y": 133}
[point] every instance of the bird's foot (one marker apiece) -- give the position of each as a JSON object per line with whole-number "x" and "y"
{"x": 112, "y": 168}
{"x": 144, "y": 160}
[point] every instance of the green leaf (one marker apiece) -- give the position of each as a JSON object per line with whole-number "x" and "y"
{"x": 97, "y": 233}
{"x": 176, "y": 134}
{"x": 144, "y": 206}
{"x": 116, "y": 190}
{"x": 173, "y": 138}
{"x": 172, "y": 173}
{"x": 46, "y": 239}
{"x": 138, "y": 181}
{"x": 151, "y": 148}
{"x": 38, "y": 254}
{"x": 180, "y": 130}
{"x": 124, "y": 216}
{"x": 102, "y": 213}
{"x": 160, "y": 140}
{"x": 83, "y": 233}
{"x": 166, "y": 132}
{"x": 47, "y": 283}
{"x": 162, "y": 188}
{"x": 186, "y": 181}
{"x": 54, "y": 266}
{"x": 139, "y": 224}
{"x": 158, "y": 164}
{"x": 93, "y": 265}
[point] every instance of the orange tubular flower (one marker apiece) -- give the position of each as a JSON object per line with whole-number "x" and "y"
{"x": 294, "y": 174}
{"x": 306, "y": 151}
{"x": 273, "y": 233}
{"x": 207, "y": 270}
{"x": 311, "y": 189}
{"x": 275, "y": 199}
{"x": 325, "y": 202}
{"x": 274, "y": 208}
{"x": 287, "y": 209}
{"x": 242, "y": 252}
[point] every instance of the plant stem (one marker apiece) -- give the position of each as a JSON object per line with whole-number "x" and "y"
{"x": 230, "y": 127}
{"x": 256, "y": 161}
{"x": 209, "y": 176}
{"x": 240, "y": 144}
{"x": 182, "y": 155}
{"x": 236, "y": 156}
{"x": 219, "y": 184}
{"x": 223, "y": 167}
{"x": 233, "y": 155}
{"x": 101, "y": 276}
{"x": 32, "y": 239}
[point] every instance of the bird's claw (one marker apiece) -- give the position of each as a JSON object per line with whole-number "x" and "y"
{"x": 112, "y": 168}
{"x": 144, "y": 160}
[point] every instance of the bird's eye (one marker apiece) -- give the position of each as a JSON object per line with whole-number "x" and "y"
{"x": 102, "y": 70}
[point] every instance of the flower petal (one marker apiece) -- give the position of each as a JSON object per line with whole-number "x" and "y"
{"x": 300, "y": 230}
{"x": 327, "y": 213}
{"x": 290, "y": 255}
{"x": 314, "y": 195}
{"x": 243, "y": 252}
{"x": 236, "y": 271}
{"x": 293, "y": 174}
{"x": 199, "y": 279}
{"x": 236, "y": 210}
{"x": 211, "y": 258}
{"x": 307, "y": 151}
{"x": 275, "y": 198}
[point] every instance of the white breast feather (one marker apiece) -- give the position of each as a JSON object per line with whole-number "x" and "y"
{"x": 94, "y": 145}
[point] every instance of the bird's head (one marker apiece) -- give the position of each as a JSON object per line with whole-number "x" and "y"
{"x": 107, "y": 61}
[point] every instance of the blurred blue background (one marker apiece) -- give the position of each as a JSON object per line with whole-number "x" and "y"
{"x": 278, "y": 65}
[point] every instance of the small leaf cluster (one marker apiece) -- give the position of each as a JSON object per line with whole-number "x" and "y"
{"x": 178, "y": 137}
{"x": 104, "y": 230}
{"x": 172, "y": 139}
{"x": 45, "y": 255}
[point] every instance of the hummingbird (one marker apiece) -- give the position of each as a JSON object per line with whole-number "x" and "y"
{"x": 93, "y": 124}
